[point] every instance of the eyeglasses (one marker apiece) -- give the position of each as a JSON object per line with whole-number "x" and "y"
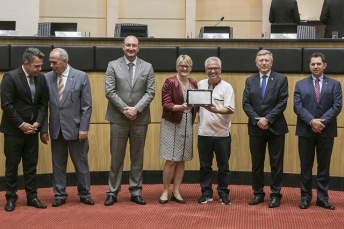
{"x": 211, "y": 69}
{"x": 184, "y": 66}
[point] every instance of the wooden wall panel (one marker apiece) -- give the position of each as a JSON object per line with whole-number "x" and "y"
{"x": 90, "y": 16}
{"x": 244, "y": 16}
{"x": 157, "y": 9}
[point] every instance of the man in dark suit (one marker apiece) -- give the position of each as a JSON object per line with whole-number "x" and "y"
{"x": 70, "y": 113}
{"x": 24, "y": 104}
{"x": 332, "y": 16}
{"x": 130, "y": 88}
{"x": 264, "y": 101}
{"x": 284, "y": 11}
{"x": 317, "y": 103}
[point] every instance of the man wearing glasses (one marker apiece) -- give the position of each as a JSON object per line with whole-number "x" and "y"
{"x": 264, "y": 101}
{"x": 214, "y": 135}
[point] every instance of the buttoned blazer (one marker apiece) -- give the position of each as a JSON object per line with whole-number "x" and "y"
{"x": 16, "y": 101}
{"x": 73, "y": 113}
{"x": 271, "y": 106}
{"x": 332, "y": 15}
{"x": 121, "y": 93}
{"x": 306, "y": 107}
{"x": 284, "y": 11}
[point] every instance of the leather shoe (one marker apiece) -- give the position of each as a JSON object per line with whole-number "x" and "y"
{"x": 110, "y": 200}
{"x": 87, "y": 200}
{"x": 304, "y": 204}
{"x": 137, "y": 200}
{"x": 10, "y": 205}
{"x": 275, "y": 202}
{"x": 36, "y": 203}
{"x": 173, "y": 198}
{"x": 163, "y": 201}
{"x": 256, "y": 200}
{"x": 58, "y": 202}
{"x": 325, "y": 204}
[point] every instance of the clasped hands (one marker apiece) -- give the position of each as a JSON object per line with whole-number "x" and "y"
{"x": 130, "y": 112}
{"x": 263, "y": 123}
{"x": 27, "y": 128}
{"x": 317, "y": 125}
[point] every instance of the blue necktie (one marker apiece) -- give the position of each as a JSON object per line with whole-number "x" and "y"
{"x": 263, "y": 85}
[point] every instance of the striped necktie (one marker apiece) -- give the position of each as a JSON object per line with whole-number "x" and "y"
{"x": 317, "y": 89}
{"x": 60, "y": 87}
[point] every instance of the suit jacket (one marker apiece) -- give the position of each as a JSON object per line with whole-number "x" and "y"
{"x": 271, "y": 106}
{"x": 17, "y": 104}
{"x": 121, "y": 94}
{"x": 73, "y": 113}
{"x": 306, "y": 107}
{"x": 332, "y": 15}
{"x": 171, "y": 95}
{"x": 284, "y": 11}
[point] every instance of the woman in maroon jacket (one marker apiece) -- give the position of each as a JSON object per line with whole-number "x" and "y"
{"x": 176, "y": 132}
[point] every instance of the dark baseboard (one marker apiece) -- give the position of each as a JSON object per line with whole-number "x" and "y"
{"x": 190, "y": 177}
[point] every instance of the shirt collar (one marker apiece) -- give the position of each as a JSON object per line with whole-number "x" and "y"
{"x": 127, "y": 61}
{"x": 267, "y": 74}
{"x": 66, "y": 72}
{"x": 26, "y": 74}
{"x": 320, "y": 78}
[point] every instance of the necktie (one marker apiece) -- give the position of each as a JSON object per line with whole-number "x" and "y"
{"x": 263, "y": 85}
{"x": 60, "y": 88}
{"x": 317, "y": 89}
{"x": 32, "y": 88}
{"x": 131, "y": 72}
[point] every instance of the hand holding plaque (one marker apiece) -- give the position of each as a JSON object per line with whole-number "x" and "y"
{"x": 199, "y": 97}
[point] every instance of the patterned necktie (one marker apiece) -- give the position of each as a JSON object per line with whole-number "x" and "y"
{"x": 32, "y": 88}
{"x": 131, "y": 73}
{"x": 317, "y": 89}
{"x": 60, "y": 88}
{"x": 263, "y": 85}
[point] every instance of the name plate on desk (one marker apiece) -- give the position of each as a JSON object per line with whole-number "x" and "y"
{"x": 199, "y": 97}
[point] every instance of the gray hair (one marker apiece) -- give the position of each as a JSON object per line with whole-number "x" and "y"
{"x": 30, "y": 54}
{"x": 212, "y": 59}
{"x": 264, "y": 52}
{"x": 63, "y": 53}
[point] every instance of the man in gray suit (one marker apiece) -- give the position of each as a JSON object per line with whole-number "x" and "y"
{"x": 130, "y": 88}
{"x": 70, "y": 113}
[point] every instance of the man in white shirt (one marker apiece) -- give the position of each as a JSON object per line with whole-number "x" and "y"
{"x": 214, "y": 135}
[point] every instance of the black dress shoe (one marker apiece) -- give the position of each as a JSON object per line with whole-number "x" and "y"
{"x": 36, "y": 203}
{"x": 325, "y": 204}
{"x": 256, "y": 200}
{"x": 163, "y": 201}
{"x": 304, "y": 204}
{"x": 173, "y": 198}
{"x": 275, "y": 203}
{"x": 137, "y": 200}
{"x": 87, "y": 200}
{"x": 58, "y": 202}
{"x": 110, "y": 200}
{"x": 10, "y": 205}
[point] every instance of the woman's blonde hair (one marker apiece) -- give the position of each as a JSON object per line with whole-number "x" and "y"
{"x": 185, "y": 58}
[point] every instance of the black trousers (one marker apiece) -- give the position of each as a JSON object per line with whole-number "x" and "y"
{"x": 276, "y": 154}
{"x": 23, "y": 148}
{"x": 307, "y": 147}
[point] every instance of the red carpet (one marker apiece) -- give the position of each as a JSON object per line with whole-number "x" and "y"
{"x": 125, "y": 214}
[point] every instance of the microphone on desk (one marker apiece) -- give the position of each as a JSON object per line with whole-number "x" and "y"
{"x": 219, "y": 21}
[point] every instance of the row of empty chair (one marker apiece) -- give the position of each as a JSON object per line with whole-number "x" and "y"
{"x": 234, "y": 59}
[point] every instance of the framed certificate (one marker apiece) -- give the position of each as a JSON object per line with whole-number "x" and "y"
{"x": 199, "y": 97}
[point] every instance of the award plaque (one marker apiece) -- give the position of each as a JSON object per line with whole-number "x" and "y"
{"x": 199, "y": 97}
